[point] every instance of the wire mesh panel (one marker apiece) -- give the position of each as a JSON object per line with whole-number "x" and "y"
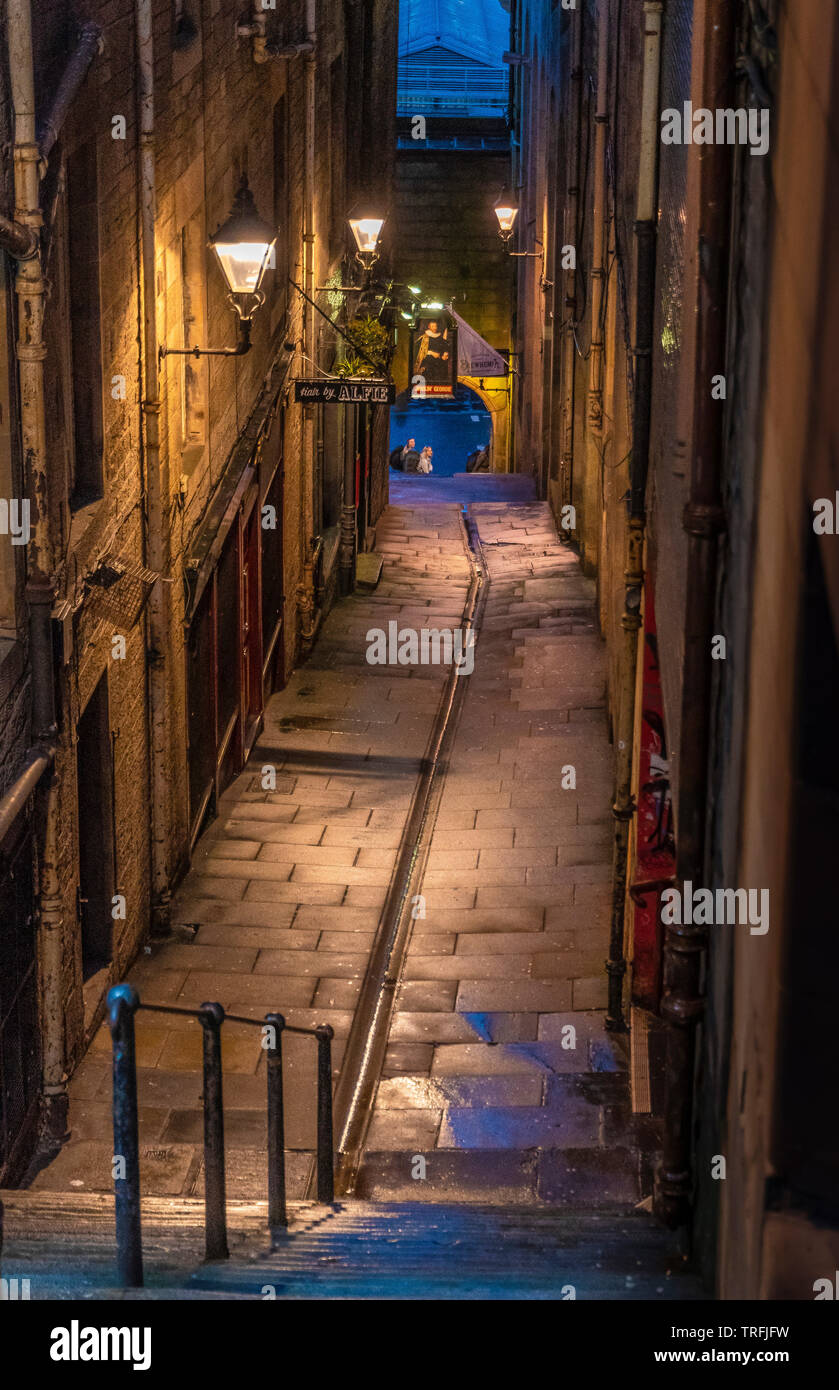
{"x": 20, "y": 1060}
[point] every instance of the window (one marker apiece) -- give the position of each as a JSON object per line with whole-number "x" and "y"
{"x": 82, "y": 244}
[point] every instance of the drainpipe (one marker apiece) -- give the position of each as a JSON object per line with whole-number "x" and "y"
{"x": 704, "y": 521}
{"x": 41, "y": 555}
{"x": 90, "y": 43}
{"x": 346, "y": 554}
{"x": 20, "y": 242}
{"x": 624, "y": 807}
{"x": 156, "y": 479}
{"x": 256, "y": 29}
{"x": 571, "y": 229}
{"x": 594, "y": 433}
{"x": 14, "y": 800}
{"x": 309, "y": 619}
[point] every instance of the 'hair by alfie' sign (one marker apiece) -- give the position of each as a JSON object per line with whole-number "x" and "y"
{"x": 345, "y": 392}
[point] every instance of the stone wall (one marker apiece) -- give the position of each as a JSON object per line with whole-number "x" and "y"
{"x": 215, "y": 119}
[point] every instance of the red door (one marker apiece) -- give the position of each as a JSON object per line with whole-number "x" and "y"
{"x": 251, "y": 630}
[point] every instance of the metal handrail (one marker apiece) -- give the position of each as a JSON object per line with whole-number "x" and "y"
{"x": 123, "y": 1003}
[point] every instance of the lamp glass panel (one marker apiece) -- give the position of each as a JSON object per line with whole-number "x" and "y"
{"x": 366, "y": 231}
{"x": 243, "y": 263}
{"x": 506, "y": 218}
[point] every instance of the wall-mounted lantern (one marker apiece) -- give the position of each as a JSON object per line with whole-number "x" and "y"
{"x": 506, "y": 210}
{"x": 244, "y": 245}
{"x": 366, "y": 222}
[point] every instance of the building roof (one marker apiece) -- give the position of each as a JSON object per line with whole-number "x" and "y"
{"x": 478, "y": 29}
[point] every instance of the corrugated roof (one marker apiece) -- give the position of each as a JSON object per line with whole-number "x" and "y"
{"x": 477, "y": 29}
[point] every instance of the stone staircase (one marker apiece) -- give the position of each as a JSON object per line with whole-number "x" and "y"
{"x": 63, "y": 1244}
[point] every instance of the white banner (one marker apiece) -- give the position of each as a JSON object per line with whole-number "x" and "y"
{"x": 475, "y": 357}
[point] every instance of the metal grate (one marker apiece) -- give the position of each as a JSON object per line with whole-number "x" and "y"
{"x": 119, "y": 590}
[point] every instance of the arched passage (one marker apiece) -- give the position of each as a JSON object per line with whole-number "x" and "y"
{"x": 495, "y": 394}
{"x": 453, "y": 429}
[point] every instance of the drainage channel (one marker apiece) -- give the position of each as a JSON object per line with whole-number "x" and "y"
{"x": 367, "y": 1041}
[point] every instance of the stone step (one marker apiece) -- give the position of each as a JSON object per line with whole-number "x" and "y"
{"x": 63, "y": 1243}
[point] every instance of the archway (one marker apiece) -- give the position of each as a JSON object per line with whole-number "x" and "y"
{"x": 453, "y": 429}
{"x": 496, "y": 399}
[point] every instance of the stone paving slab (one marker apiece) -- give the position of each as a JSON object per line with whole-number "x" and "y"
{"x": 498, "y": 1067}
{"x": 509, "y": 1079}
{"x": 281, "y": 906}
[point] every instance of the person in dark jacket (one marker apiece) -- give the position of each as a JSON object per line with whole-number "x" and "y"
{"x": 399, "y": 455}
{"x": 478, "y": 461}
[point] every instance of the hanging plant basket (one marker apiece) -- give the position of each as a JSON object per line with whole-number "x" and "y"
{"x": 373, "y": 338}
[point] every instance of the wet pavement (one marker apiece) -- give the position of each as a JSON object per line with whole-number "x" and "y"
{"x": 498, "y": 1074}
{"x": 499, "y": 1071}
{"x": 282, "y": 902}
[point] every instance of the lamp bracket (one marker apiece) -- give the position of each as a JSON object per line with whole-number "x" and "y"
{"x": 257, "y": 298}
{"x": 243, "y": 345}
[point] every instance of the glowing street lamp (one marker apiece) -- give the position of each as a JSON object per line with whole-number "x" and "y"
{"x": 244, "y": 245}
{"x": 366, "y": 222}
{"x": 506, "y": 210}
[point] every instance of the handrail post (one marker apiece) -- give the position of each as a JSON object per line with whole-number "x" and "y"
{"x": 123, "y": 1003}
{"x": 277, "y": 1213}
{"x": 326, "y": 1167}
{"x": 211, "y": 1017}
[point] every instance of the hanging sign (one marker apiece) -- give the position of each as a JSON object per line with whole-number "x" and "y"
{"x": 434, "y": 356}
{"x": 344, "y": 392}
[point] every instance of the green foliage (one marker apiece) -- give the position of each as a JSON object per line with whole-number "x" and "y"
{"x": 373, "y": 338}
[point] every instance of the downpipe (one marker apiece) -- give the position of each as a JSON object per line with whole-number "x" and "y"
{"x": 571, "y": 228}
{"x": 90, "y": 43}
{"x": 704, "y": 521}
{"x": 624, "y": 805}
{"x": 346, "y": 556}
{"x": 598, "y": 273}
{"x": 41, "y": 558}
{"x": 256, "y": 29}
{"x": 309, "y": 615}
{"x": 156, "y": 492}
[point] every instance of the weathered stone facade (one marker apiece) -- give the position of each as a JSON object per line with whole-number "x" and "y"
{"x": 224, "y": 107}
{"x": 710, "y": 593}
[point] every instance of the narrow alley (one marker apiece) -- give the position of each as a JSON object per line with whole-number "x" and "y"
{"x": 496, "y": 1073}
{"x": 419, "y": 662}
